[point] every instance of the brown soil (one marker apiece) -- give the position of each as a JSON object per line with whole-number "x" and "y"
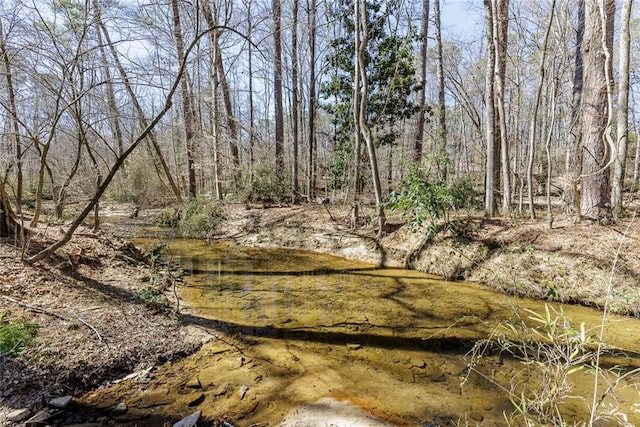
{"x": 95, "y": 328}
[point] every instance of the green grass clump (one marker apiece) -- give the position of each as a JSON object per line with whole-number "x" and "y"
{"x": 16, "y": 336}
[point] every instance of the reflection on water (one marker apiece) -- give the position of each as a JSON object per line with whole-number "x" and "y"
{"x": 302, "y": 326}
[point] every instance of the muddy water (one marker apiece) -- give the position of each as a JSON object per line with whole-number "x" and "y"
{"x": 293, "y": 327}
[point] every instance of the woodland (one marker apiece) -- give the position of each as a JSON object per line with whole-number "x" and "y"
{"x": 504, "y": 139}
{"x": 160, "y": 102}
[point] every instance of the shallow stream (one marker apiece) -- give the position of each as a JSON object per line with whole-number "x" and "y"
{"x": 293, "y": 327}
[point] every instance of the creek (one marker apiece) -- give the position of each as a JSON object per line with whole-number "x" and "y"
{"x": 289, "y": 328}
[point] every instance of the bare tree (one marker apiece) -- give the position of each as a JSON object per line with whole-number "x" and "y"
{"x": 534, "y": 115}
{"x": 422, "y": 57}
{"x": 232, "y": 122}
{"x": 360, "y": 102}
{"x": 252, "y": 124}
{"x": 143, "y": 122}
{"x": 277, "y": 88}
{"x": 13, "y": 113}
{"x": 622, "y": 118}
{"x": 596, "y": 108}
{"x": 311, "y": 128}
{"x": 500, "y": 32}
{"x": 142, "y": 136}
{"x": 491, "y": 157}
{"x": 187, "y": 104}
{"x": 574, "y": 152}
{"x": 295, "y": 103}
{"x": 441, "y": 131}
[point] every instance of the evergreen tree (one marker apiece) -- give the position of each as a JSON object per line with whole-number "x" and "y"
{"x": 391, "y": 75}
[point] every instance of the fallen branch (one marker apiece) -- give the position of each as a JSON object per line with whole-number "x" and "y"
{"x": 35, "y": 309}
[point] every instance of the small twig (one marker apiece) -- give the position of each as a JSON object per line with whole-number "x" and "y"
{"x": 89, "y": 326}
{"x": 91, "y": 309}
{"x": 175, "y": 294}
{"x": 36, "y": 309}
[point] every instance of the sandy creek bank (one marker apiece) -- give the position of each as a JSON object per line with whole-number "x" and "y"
{"x": 93, "y": 282}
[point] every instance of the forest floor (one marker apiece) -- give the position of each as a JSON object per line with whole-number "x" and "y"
{"x": 98, "y": 321}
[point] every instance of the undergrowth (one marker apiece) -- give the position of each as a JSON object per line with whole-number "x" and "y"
{"x": 550, "y": 351}
{"x": 423, "y": 201}
{"x": 152, "y": 298}
{"x": 198, "y": 219}
{"x": 16, "y": 336}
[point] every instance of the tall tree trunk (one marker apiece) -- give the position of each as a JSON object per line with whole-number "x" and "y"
{"x": 250, "y": 78}
{"x": 622, "y": 119}
{"x": 441, "y": 130}
{"x": 534, "y": 115}
{"x": 596, "y": 109}
{"x": 277, "y": 89}
{"x": 363, "y": 87}
{"x": 214, "y": 45}
{"x": 357, "y": 95}
{"x": 114, "y": 114}
{"x": 15, "y": 122}
{"x": 311, "y": 128}
{"x": 187, "y": 106}
{"x": 419, "y": 137}
{"x": 501, "y": 27}
{"x": 573, "y": 162}
{"x": 232, "y": 123}
{"x": 547, "y": 146}
{"x": 295, "y": 103}
{"x": 491, "y": 160}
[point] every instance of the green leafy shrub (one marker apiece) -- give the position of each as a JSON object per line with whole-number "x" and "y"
{"x": 200, "y": 218}
{"x": 16, "y": 336}
{"x": 151, "y": 297}
{"x": 423, "y": 201}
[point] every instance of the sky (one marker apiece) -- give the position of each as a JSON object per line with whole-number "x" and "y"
{"x": 462, "y": 19}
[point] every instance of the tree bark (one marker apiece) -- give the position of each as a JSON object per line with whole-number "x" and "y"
{"x": 15, "y": 122}
{"x": 362, "y": 86}
{"x": 311, "y": 173}
{"x": 7, "y": 221}
{"x": 573, "y": 162}
{"x": 277, "y": 89}
{"x": 534, "y": 115}
{"x": 295, "y": 103}
{"x": 501, "y": 26}
{"x": 622, "y": 118}
{"x": 490, "y": 131}
{"x": 596, "y": 109}
{"x": 441, "y": 130}
{"x": 357, "y": 95}
{"x": 422, "y": 109}
{"x": 187, "y": 106}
